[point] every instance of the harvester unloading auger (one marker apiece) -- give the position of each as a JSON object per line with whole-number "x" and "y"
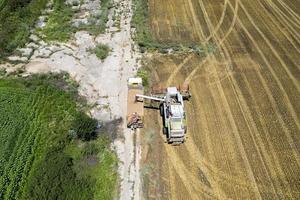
{"x": 171, "y": 107}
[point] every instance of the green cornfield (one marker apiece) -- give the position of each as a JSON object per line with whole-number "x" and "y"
{"x": 35, "y": 157}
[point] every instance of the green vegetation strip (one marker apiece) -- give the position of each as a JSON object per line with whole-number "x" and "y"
{"x": 140, "y": 21}
{"x": 49, "y": 149}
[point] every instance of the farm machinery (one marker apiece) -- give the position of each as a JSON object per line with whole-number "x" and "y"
{"x": 171, "y": 105}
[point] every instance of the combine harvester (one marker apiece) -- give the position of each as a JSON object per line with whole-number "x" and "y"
{"x": 171, "y": 108}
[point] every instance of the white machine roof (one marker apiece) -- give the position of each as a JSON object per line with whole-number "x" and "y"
{"x": 176, "y": 110}
{"x": 172, "y": 90}
{"x": 136, "y": 80}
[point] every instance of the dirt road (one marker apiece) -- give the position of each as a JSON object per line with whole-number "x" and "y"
{"x": 243, "y": 118}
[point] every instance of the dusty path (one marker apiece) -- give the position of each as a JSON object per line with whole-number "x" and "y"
{"x": 243, "y": 119}
{"x": 103, "y": 83}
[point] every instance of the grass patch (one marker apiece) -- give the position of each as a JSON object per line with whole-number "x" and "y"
{"x": 101, "y": 51}
{"x": 140, "y": 21}
{"x": 144, "y": 74}
{"x": 59, "y": 27}
{"x": 16, "y": 19}
{"x": 45, "y": 153}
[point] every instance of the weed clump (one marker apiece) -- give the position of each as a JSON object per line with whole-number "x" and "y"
{"x": 101, "y": 51}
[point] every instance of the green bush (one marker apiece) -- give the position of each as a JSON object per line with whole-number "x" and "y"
{"x": 101, "y": 51}
{"x": 142, "y": 73}
{"x": 85, "y": 127}
{"x": 56, "y": 179}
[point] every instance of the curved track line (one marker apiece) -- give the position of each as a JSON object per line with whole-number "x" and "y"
{"x": 180, "y": 66}
{"x": 235, "y": 16}
{"x": 263, "y": 151}
{"x": 218, "y": 26}
{"x": 188, "y": 179}
{"x": 232, "y": 122}
{"x": 292, "y": 111}
{"x": 291, "y": 11}
{"x": 288, "y": 18}
{"x": 284, "y": 18}
{"x": 233, "y": 83}
{"x": 294, "y": 80}
{"x": 219, "y": 44}
{"x": 189, "y": 78}
{"x": 278, "y": 23}
{"x": 280, "y": 28}
{"x": 269, "y": 93}
{"x": 195, "y": 20}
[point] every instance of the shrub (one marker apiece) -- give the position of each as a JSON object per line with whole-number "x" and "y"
{"x": 85, "y": 127}
{"x": 101, "y": 51}
{"x": 142, "y": 73}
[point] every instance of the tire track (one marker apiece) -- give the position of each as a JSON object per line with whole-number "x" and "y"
{"x": 206, "y": 40}
{"x": 197, "y": 24}
{"x": 219, "y": 44}
{"x": 218, "y": 26}
{"x": 186, "y": 176}
{"x": 245, "y": 118}
{"x": 288, "y": 102}
{"x": 235, "y": 16}
{"x": 179, "y": 67}
{"x": 294, "y": 80}
{"x": 274, "y": 161}
{"x": 264, "y": 5}
{"x": 280, "y": 28}
{"x": 294, "y": 115}
{"x": 291, "y": 11}
{"x": 284, "y": 18}
{"x": 232, "y": 122}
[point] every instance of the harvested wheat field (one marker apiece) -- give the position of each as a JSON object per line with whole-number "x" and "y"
{"x": 244, "y": 115}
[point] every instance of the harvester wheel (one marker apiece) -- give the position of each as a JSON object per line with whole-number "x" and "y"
{"x": 165, "y": 130}
{"x": 161, "y": 108}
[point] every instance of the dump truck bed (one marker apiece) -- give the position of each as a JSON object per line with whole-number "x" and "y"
{"x": 135, "y": 109}
{"x": 134, "y": 106}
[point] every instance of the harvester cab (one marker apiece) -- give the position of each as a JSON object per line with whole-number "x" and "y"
{"x": 173, "y": 114}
